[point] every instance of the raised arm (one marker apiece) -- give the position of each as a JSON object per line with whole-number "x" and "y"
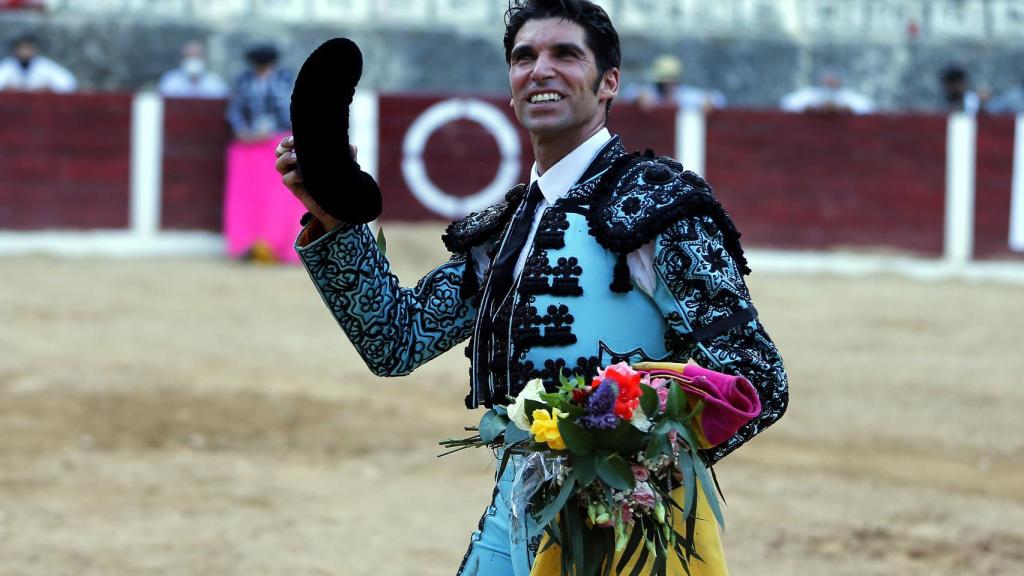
{"x": 394, "y": 329}
{"x": 701, "y": 293}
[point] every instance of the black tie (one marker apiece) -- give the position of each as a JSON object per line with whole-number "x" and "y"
{"x": 505, "y": 262}
{"x": 498, "y": 286}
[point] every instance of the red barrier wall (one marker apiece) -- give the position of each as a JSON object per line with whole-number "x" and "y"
{"x": 196, "y": 136}
{"x": 790, "y": 181}
{"x": 993, "y": 182}
{"x": 826, "y": 181}
{"x": 65, "y": 161}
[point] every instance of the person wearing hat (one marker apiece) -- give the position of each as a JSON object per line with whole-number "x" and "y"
{"x": 258, "y": 225}
{"x": 666, "y": 88}
{"x": 261, "y": 96}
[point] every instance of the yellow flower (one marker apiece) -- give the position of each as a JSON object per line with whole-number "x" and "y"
{"x": 545, "y": 428}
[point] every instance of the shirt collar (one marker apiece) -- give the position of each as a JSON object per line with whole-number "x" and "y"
{"x": 556, "y": 182}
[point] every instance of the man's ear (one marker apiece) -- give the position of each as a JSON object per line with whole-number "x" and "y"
{"x": 609, "y": 84}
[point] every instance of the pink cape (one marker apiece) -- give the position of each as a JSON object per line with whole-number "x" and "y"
{"x": 258, "y": 208}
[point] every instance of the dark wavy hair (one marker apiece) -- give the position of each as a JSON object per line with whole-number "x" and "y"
{"x": 599, "y": 33}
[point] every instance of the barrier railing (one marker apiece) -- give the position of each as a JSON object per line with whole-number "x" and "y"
{"x": 915, "y": 184}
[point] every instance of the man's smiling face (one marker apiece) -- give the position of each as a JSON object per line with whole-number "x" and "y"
{"x": 553, "y": 75}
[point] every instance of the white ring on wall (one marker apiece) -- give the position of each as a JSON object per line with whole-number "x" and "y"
{"x": 491, "y": 119}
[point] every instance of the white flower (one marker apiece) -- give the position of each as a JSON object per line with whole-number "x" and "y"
{"x": 517, "y": 411}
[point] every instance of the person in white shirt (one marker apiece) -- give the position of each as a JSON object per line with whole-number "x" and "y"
{"x": 828, "y": 96}
{"x": 192, "y": 79}
{"x": 26, "y": 70}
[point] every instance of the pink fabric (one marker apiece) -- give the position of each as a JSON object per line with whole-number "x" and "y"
{"x": 729, "y": 402}
{"x": 257, "y": 206}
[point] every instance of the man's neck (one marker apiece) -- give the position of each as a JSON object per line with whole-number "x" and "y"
{"x": 548, "y": 151}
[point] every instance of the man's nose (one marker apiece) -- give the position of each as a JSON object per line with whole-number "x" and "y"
{"x": 543, "y": 68}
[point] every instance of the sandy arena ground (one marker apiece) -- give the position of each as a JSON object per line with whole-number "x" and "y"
{"x": 207, "y": 417}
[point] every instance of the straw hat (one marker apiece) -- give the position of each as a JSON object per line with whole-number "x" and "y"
{"x": 666, "y": 68}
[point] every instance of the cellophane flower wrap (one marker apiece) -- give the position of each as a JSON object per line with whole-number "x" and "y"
{"x": 610, "y": 452}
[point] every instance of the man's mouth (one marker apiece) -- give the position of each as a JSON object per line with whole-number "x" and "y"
{"x": 545, "y": 97}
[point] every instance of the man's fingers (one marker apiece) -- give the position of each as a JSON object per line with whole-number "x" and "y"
{"x": 292, "y": 180}
{"x": 287, "y": 144}
{"x": 285, "y": 163}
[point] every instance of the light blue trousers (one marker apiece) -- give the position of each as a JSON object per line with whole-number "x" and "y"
{"x": 501, "y": 545}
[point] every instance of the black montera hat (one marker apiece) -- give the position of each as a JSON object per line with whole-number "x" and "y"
{"x": 321, "y": 99}
{"x": 261, "y": 54}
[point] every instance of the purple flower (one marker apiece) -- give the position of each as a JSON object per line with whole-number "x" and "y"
{"x": 600, "y": 408}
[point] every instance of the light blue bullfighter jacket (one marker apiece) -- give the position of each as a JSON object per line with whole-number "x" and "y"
{"x": 573, "y": 308}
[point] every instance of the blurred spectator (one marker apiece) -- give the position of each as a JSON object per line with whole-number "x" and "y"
{"x": 1008, "y": 102}
{"x": 959, "y": 97}
{"x": 665, "y": 88}
{"x": 191, "y": 79}
{"x": 828, "y": 97}
{"x": 27, "y": 70}
{"x": 261, "y": 98}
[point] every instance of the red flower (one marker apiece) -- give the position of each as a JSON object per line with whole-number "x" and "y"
{"x": 628, "y": 382}
{"x": 579, "y": 395}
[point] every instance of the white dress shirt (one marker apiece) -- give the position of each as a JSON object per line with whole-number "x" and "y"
{"x": 555, "y": 184}
{"x": 41, "y": 74}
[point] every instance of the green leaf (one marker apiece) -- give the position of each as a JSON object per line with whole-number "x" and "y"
{"x": 696, "y": 411}
{"x": 624, "y": 438}
{"x": 555, "y": 400}
{"x": 656, "y": 446}
{"x": 689, "y": 483}
{"x": 563, "y": 380}
{"x": 649, "y": 400}
{"x": 577, "y": 439}
{"x": 662, "y": 427}
{"x": 676, "y": 405}
{"x": 585, "y": 468}
{"x": 574, "y": 411}
{"x": 614, "y": 472}
{"x": 555, "y": 506}
{"x": 636, "y": 534}
{"x": 382, "y": 242}
{"x": 492, "y": 425}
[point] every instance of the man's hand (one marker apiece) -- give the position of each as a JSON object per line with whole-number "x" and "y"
{"x": 287, "y": 166}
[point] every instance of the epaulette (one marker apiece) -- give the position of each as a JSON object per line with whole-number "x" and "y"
{"x": 462, "y": 235}
{"x": 478, "y": 227}
{"x": 641, "y": 196}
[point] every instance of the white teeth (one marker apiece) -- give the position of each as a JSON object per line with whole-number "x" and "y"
{"x": 546, "y": 97}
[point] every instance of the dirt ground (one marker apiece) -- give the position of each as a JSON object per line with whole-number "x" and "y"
{"x": 198, "y": 417}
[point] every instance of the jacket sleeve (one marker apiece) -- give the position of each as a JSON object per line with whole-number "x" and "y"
{"x": 712, "y": 320}
{"x": 394, "y": 329}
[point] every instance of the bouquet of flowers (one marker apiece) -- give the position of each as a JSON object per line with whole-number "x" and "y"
{"x": 600, "y": 460}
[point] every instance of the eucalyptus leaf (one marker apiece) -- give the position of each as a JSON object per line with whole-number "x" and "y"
{"x": 585, "y": 468}
{"x": 514, "y": 434}
{"x": 492, "y": 425}
{"x": 614, "y": 472}
{"x": 382, "y": 242}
